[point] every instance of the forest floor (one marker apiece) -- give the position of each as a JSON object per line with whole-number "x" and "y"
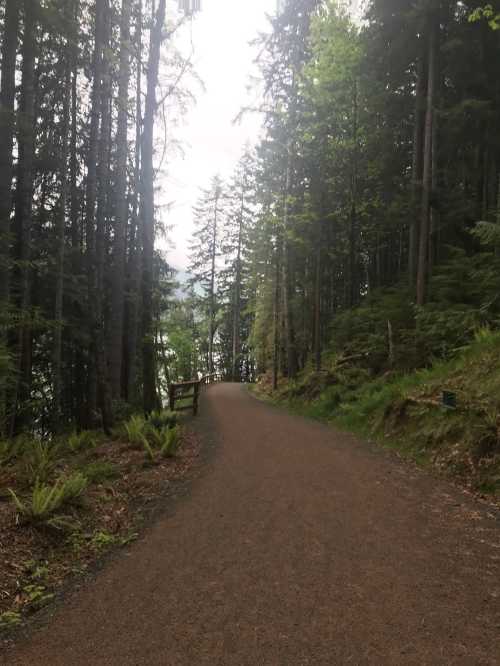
{"x": 38, "y": 562}
{"x": 297, "y": 544}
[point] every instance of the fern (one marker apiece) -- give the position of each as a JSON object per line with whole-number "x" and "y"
{"x": 39, "y": 460}
{"x": 488, "y": 233}
{"x": 135, "y": 429}
{"x": 82, "y": 441}
{"x": 148, "y": 449}
{"x": 46, "y": 499}
{"x": 163, "y": 419}
{"x": 171, "y": 443}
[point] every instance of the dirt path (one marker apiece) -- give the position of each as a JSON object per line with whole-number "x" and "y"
{"x": 297, "y": 545}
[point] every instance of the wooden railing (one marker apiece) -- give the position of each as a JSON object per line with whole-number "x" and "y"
{"x": 189, "y": 391}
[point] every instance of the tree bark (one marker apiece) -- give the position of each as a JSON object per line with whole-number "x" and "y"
{"x": 237, "y": 288}
{"x": 291, "y": 352}
{"x": 423, "y": 257}
{"x": 118, "y": 270}
{"x": 150, "y": 398}
{"x": 211, "y": 314}
{"x": 416, "y": 177}
{"x": 353, "y": 222}
{"x": 134, "y": 263}
{"x": 60, "y": 245}
{"x": 7, "y": 125}
{"x": 277, "y": 314}
{"x": 103, "y": 189}
{"x": 90, "y": 205}
{"x": 24, "y": 212}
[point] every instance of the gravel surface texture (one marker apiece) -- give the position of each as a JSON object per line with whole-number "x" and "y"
{"x": 297, "y": 544}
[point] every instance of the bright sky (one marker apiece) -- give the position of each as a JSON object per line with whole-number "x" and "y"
{"x": 212, "y": 144}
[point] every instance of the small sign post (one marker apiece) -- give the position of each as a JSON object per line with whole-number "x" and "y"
{"x": 449, "y": 400}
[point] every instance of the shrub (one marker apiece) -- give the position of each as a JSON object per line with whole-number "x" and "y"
{"x": 99, "y": 471}
{"x": 38, "y": 460}
{"x": 10, "y": 450}
{"x": 163, "y": 419}
{"x": 10, "y": 619}
{"x": 83, "y": 441}
{"x": 171, "y": 442}
{"x": 148, "y": 450}
{"x": 136, "y": 429}
{"x": 48, "y": 499}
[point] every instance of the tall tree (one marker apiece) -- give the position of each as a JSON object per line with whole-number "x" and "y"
{"x": 121, "y": 208}
{"x": 148, "y": 211}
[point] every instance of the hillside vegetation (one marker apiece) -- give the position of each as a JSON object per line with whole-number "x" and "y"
{"x": 404, "y": 410}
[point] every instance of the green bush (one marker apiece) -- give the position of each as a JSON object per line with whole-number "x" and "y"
{"x": 136, "y": 429}
{"x": 11, "y": 449}
{"x": 171, "y": 442}
{"x": 47, "y": 499}
{"x": 99, "y": 471}
{"x": 163, "y": 419}
{"x": 83, "y": 441}
{"x": 38, "y": 460}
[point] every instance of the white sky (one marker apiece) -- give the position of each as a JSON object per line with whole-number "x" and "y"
{"x": 212, "y": 143}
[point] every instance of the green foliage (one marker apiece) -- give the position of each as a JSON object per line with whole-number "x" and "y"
{"x": 9, "y": 620}
{"x": 488, "y": 233}
{"x": 102, "y": 540}
{"x": 11, "y": 449}
{"x": 487, "y": 12}
{"x": 163, "y": 419}
{"x": 404, "y": 411}
{"x": 39, "y": 460}
{"x": 148, "y": 450}
{"x": 36, "y": 595}
{"x": 46, "y": 500}
{"x": 83, "y": 441}
{"x": 170, "y": 443}
{"x": 136, "y": 429}
{"x": 99, "y": 471}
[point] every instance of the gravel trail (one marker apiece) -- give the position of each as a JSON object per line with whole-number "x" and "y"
{"x": 296, "y": 544}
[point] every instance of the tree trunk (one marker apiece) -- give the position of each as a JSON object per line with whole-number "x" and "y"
{"x": 423, "y": 257}
{"x": 7, "y": 125}
{"x": 103, "y": 388}
{"x": 353, "y": 222}
{"x": 60, "y": 247}
{"x": 277, "y": 314}
{"x": 150, "y": 398}
{"x": 211, "y": 314}
{"x": 134, "y": 263}
{"x": 434, "y": 211}
{"x": 78, "y": 383}
{"x": 317, "y": 305}
{"x": 118, "y": 270}
{"x": 90, "y": 205}
{"x": 24, "y": 211}
{"x": 291, "y": 352}
{"x": 237, "y": 290}
{"x": 416, "y": 177}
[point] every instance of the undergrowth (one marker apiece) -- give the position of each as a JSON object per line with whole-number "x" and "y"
{"x": 404, "y": 411}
